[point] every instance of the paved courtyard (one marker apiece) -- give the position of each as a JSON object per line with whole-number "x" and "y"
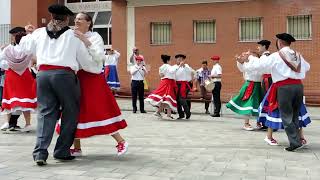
{"x": 202, "y": 148}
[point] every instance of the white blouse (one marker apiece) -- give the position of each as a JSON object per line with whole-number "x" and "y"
{"x": 255, "y": 76}
{"x": 96, "y": 50}
{"x": 167, "y": 71}
{"x": 112, "y": 59}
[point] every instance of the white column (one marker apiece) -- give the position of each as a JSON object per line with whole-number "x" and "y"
{"x": 5, "y": 9}
{"x": 5, "y": 21}
{"x": 130, "y": 32}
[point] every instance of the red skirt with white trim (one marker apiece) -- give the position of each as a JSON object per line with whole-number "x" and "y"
{"x": 165, "y": 93}
{"x": 19, "y": 92}
{"x": 99, "y": 111}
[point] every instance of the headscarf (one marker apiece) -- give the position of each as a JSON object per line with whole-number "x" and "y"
{"x": 18, "y": 60}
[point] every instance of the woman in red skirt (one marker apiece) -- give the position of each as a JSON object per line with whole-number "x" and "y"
{"x": 164, "y": 97}
{"x": 19, "y": 93}
{"x": 99, "y": 111}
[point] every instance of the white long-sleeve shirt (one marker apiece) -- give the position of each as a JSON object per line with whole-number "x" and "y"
{"x": 112, "y": 59}
{"x": 275, "y": 66}
{"x": 216, "y": 70}
{"x": 167, "y": 71}
{"x": 137, "y": 72}
{"x": 96, "y": 50}
{"x": 183, "y": 73}
{"x": 249, "y": 75}
{"x": 67, "y": 50}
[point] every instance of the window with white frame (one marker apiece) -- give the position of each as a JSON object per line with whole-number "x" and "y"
{"x": 100, "y": 11}
{"x": 250, "y": 29}
{"x": 204, "y": 31}
{"x": 300, "y": 26}
{"x": 160, "y": 33}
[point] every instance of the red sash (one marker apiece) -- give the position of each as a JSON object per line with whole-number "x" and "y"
{"x": 248, "y": 92}
{"x": 272, "y": 98}
{"x": 106, "y": 71}
{"x": 265, "y": 79}
{"x": 53, "y": 67}
{"x": 183, "y": 88}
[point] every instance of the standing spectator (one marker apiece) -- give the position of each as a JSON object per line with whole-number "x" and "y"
{"x": 138, "y": 72}
{"x": 216, "y": 74}
{"x": 135, "y": 54}
{"x": 111, "y": 64}
{"x": 203, "y": 74}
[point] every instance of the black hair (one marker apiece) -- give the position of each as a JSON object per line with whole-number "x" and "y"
{"x": 267, "y": 46}
{"x": 165, "y": 58}
{"x": 89, "y": 19}
{"x": 18, "y": 36}
{"x": 205, "y": 62}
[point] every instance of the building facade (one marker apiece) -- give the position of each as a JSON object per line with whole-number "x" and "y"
{"x": 198, "y": 29}
{"x": 36, "y": 12}
{"x": 214, "y": 27}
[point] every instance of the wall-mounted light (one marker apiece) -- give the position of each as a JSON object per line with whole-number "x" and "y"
{"x": 43, "y": 20}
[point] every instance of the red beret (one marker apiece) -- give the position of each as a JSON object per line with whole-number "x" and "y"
{"x": 139, "y": 58}
{"x": 215, "y": 58}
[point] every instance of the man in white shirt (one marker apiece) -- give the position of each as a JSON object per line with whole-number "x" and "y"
{"x": 59, "y": 55}
{"x": 216, "y": 74}
{"x": 138, "y": 72}
{"x": 136, "y": 53}
{"x": 287, "y": 68}
{"x": 184, "y": 74}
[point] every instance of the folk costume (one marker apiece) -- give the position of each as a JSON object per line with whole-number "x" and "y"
{"x": 111, "y": 70}
{"x": 248, "y": 100}
{"x": 287, "y": 68}
{"x": 99, "y": 111}
{"x": 58, "y": 88}
{"x": 183, "y": 76}
{"x": 166, "y": 91}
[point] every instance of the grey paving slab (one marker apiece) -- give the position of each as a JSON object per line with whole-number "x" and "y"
{"x": 202, "y": 148}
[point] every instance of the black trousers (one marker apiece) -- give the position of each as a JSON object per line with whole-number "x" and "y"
{"x": 216, "y": 97}
{"x": 183, "y": 103}
{"x": 13, "y": 121}
{"x": 206, "y": 97}
{"x": 137, "y": 89}
{"x": 188, "y": 98}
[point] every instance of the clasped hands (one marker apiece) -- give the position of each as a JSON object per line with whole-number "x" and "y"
{"x": 243, "y": 57}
